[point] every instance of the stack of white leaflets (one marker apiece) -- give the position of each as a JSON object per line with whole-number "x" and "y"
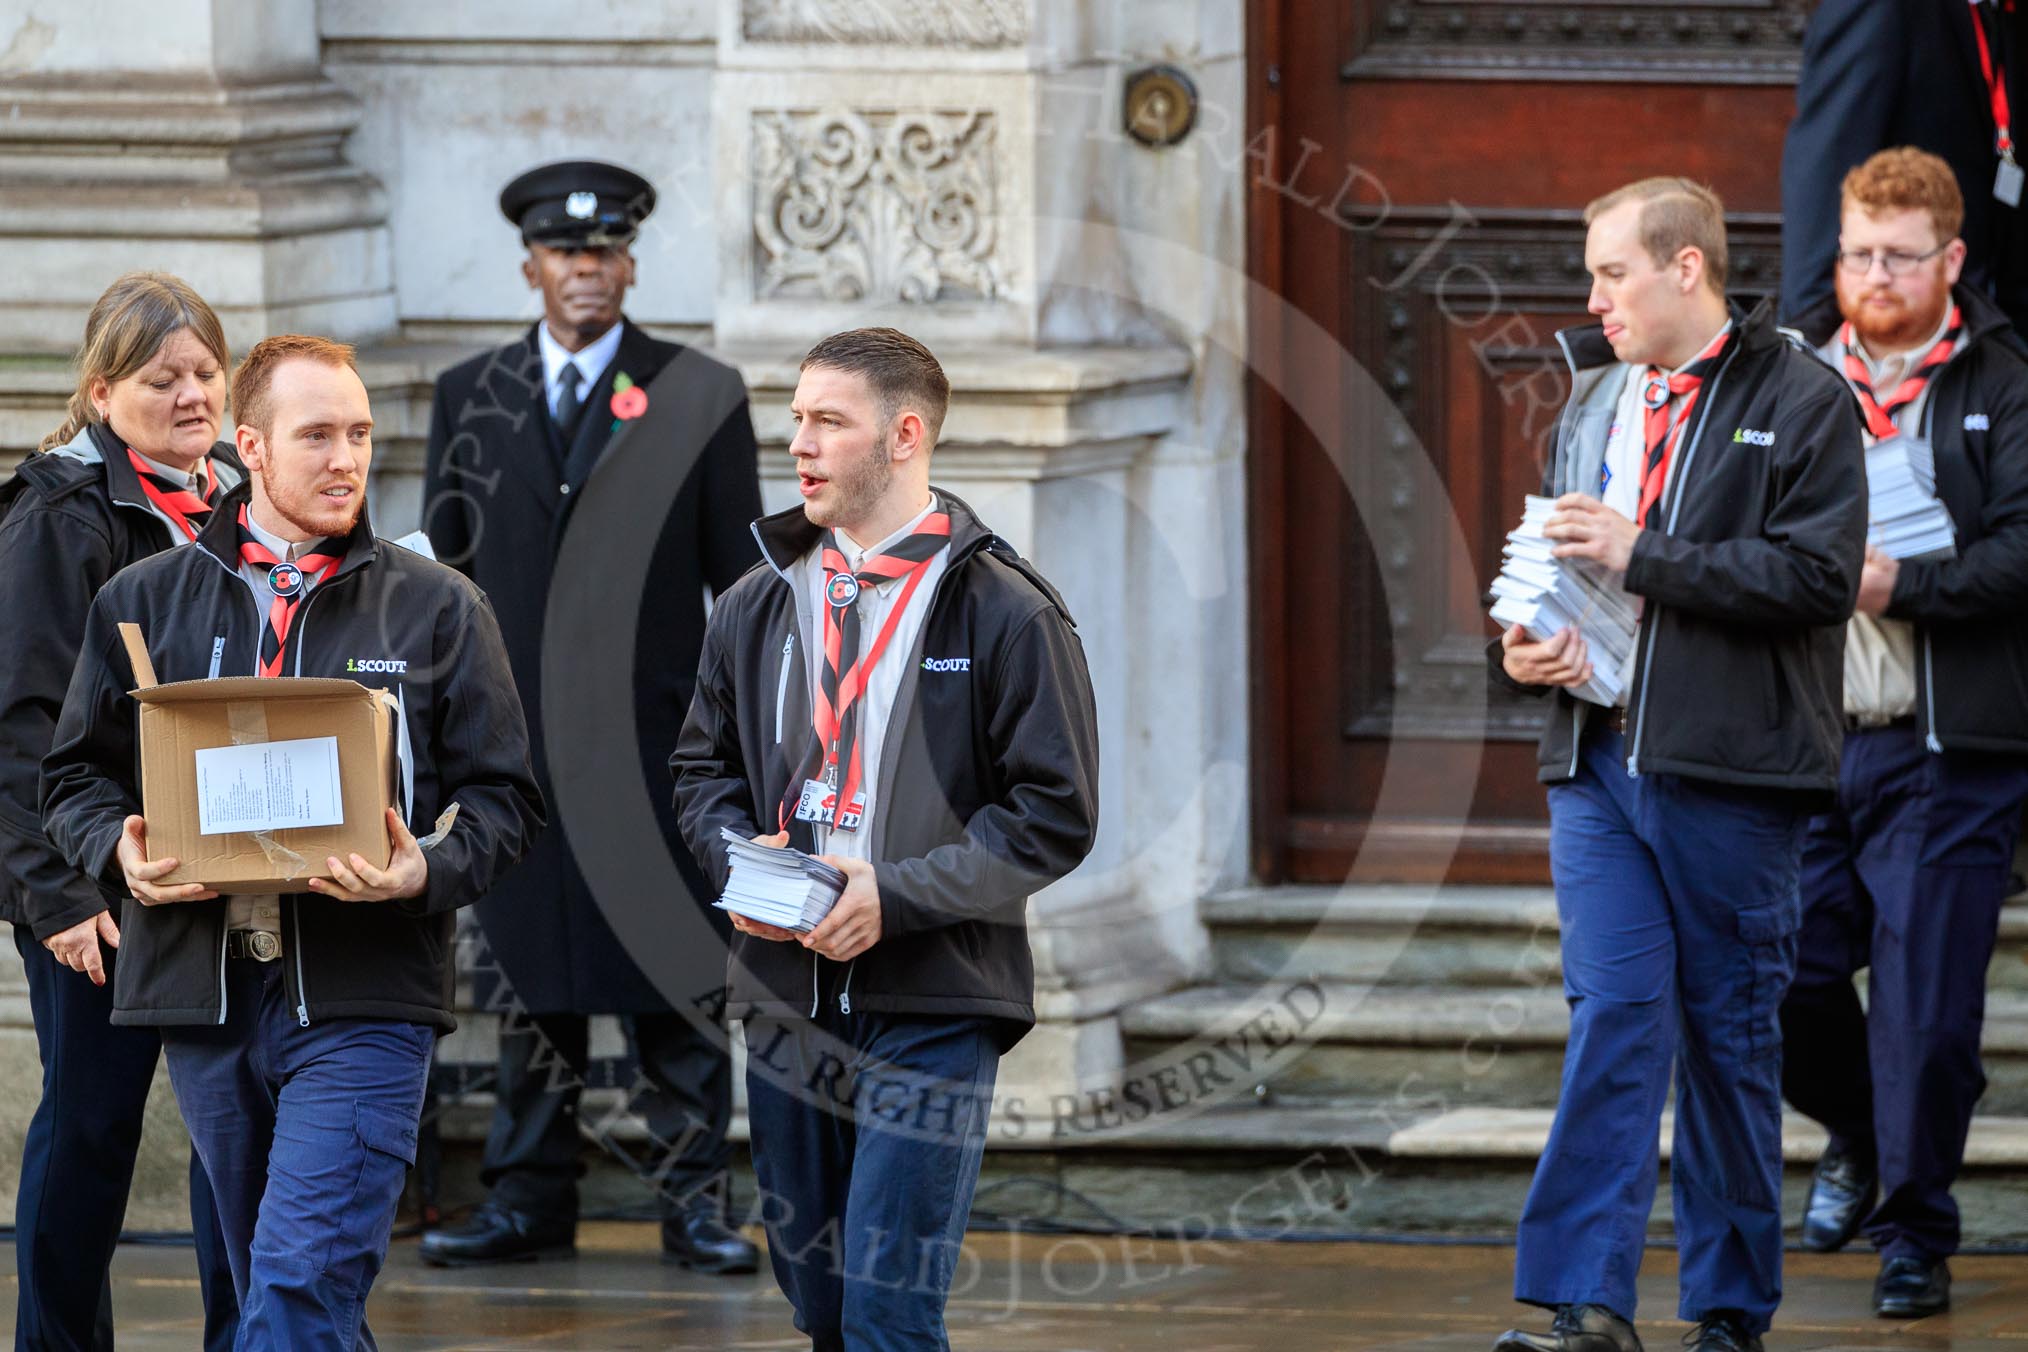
{"x": 779, "y": 886}
{"x": 1546, "y": 595}
{"x": 1905, "y": 518}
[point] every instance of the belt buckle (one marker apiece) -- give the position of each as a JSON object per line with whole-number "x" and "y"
{"x": 265, "y": 945}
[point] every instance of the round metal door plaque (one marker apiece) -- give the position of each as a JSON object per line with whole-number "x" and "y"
{"x": 1160, "y": 106}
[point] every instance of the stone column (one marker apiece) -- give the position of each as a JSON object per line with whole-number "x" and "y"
{"x": 198, "y": 137}
{"x": 954, "y": 168}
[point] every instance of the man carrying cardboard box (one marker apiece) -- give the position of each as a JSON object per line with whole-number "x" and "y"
{"x": 299, "y": 1028}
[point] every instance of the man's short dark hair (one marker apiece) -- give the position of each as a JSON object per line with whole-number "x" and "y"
{"x": 901, "y": 372}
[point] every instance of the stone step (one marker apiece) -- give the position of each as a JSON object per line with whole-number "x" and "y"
{"x": 1420, "y": 936}
{"x": 1374, "y": 1168}
{"x": 1455, "y": 1046}
{"x": 1302, "y": 1170}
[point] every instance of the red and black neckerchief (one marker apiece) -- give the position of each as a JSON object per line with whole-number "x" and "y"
{"x": 290, "y": 582}
{"x": 1663, "y": 433}
{"x": 845, "y": 670}
{"x": 187, "y": 508}
{"x": 1879, "y": 414}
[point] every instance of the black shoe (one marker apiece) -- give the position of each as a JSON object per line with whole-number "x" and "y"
{"x": 699, "y": 1240}
{"x": 1722, "y": 1331}
{"x": 1576, "y": 1328}
{"x": 1841, "y": 1193}
{"x": 1909, "y": 1288}
{"x": 494, "y": 1234}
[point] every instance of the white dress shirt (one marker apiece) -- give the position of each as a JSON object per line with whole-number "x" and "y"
{"x": 883, "y": 682}
{"x": 1879, "y": 652}
{"x": 590, "y": 362}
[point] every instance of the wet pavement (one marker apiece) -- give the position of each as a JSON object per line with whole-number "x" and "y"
{"x": 1031, "y": 1293}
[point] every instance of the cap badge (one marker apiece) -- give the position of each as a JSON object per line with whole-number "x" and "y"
{"x": 579, "y": 206}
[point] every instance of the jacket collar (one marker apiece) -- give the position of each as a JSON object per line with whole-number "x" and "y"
{"x": 633, "y": 340}
{"x": 1586, "y": 348}
{"x": 123, "y": 485}
{"x": 219, "y": 536}
{"x": 1983, "y": 319}
{"x": 634, "y": 356}
{"x": 787, "y": 536}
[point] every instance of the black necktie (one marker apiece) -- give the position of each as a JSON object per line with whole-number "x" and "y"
{"x": 568, "y": 405}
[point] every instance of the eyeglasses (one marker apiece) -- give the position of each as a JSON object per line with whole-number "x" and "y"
{"x": 1859, "y": 262}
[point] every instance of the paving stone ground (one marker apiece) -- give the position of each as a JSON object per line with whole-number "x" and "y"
{"x": 1031, "y": 1293}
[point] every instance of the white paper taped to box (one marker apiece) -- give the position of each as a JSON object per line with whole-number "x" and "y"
{"x": 269, "y": 786}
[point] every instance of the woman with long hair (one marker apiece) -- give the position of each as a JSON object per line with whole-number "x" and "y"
{"x": 133, "y": 470}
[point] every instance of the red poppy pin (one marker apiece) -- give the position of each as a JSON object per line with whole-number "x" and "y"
{"x": 630, "y": 401}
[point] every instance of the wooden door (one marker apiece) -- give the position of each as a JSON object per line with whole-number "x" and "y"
{"x": 1416, "y": 172}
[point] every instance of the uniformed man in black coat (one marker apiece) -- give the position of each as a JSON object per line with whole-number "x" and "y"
{"x": 515, "y": 436}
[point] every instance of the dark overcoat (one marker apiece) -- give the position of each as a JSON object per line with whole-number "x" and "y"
{"x": 500, "y": 494}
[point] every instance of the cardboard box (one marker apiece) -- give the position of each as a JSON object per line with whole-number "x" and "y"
{"x": 184, "y": 717}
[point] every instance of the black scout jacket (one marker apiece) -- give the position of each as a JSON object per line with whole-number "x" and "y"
{"x": 70, "y": 518}
{"x": 1739, "y": 662}
{"x": 988, "y": 782}
{"x": 1971, "y": 612}
{"x": 386, "y": 607}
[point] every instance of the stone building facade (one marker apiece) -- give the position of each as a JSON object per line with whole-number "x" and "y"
{"x": 957, "y": 168}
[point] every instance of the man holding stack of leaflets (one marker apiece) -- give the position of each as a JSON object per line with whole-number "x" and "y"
{"x": 1714, "y": 469}
{"x": 1905, "y": 875}
{"x": 901, "y": 694}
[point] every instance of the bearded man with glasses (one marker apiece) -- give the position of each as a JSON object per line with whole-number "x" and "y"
{"x": 1906, "y": 874}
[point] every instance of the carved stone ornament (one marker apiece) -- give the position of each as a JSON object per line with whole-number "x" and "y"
{"x": 1721, "y": 41}
{"x": 909, "y": 23}
{"x": 874, "y": 206}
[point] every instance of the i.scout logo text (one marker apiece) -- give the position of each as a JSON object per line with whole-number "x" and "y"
{"x": 947, "y": 664}
{"x": 1751, "y": 437}
{"x": 386, "y": 665}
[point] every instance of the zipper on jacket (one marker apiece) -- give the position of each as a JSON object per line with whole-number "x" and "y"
{"x": 218, "y": 653}
{"x": 1929, "y": 694}
{"x": 816, "y": 985}
{"x": 295, "y": 949}
{"x": 845, "y": 991}
{"x": 1557, "y": 480}
{"x": 299, "y": 628}
{"x": 782, "y": 685}
{"x": 1927, "y": 433}
{"x": 1651, "y": 612}
{"x": 224, "y": 996}
{"x": 296, "y": 953}
{"x": 300, "y": 631}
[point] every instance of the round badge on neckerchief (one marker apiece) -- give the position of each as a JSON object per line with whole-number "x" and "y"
{"x": 842, "y": 590}
{"x": 1656, "y": 392}
{"x": 285, "y": 580}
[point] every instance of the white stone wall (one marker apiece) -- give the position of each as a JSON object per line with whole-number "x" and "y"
{"x": 461, "y": 98}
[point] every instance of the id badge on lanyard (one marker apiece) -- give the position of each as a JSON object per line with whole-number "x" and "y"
{"x": 2008, "y": 176}
{"x": 819, "y": 805}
